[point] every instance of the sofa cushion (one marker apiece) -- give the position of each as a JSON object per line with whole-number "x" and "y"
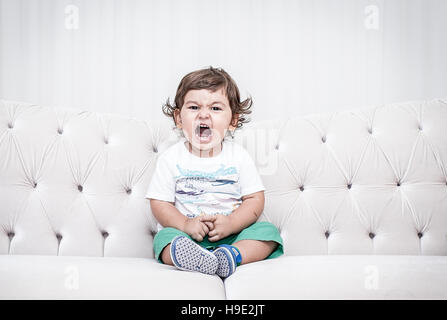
{"x": 341, "y": 277}
{"x": 51, "y": 277}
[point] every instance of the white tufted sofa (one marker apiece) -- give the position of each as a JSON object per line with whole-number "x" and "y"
{"x": 360, "y": 199}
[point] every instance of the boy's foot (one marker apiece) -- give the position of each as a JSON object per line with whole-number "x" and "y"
{"x": 228, "y": 257}
{"x": 188, "y": 255}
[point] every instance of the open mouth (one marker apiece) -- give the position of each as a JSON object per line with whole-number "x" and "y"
{"x": 203, "y": 132}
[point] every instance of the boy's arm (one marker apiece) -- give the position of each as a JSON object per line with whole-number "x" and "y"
{"x": 246, "y": 214}
{"x": 169, "y": 216}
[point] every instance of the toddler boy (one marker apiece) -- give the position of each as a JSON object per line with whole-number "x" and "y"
{"x": 206, "y": 193}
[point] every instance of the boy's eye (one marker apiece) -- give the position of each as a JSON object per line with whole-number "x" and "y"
{"x": 214, "y": 108}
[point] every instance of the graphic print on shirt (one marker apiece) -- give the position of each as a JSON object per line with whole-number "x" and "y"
{"x": 200, "y": 192}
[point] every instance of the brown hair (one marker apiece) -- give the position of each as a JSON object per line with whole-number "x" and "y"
{"x": 212, "y": 79}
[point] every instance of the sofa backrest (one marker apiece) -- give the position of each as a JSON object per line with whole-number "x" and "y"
{"x": 72, "y": 182}
{"x": 363, "y": 181}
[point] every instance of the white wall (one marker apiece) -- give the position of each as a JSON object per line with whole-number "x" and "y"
{"x": 293, "y": 57}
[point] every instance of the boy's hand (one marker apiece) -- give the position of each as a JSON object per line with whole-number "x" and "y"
{"x": 196, "y": 228}
{"x": 209, "y": 224}
{"x": 223, "y": 227}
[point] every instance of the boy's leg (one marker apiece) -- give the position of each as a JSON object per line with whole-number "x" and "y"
{"x": 162, "y": 244}
{"x": 255, "y": 250}
{"x": 174, "y": 247}
{"x": 259, "y": 241}
{"x": 166, "y": 255}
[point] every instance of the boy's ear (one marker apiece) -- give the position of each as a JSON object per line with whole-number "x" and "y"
{"x": 178, "y": 120}
{"x": 233, "y": 123}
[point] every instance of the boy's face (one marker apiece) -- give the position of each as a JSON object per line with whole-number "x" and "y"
{"x": 205, "y": 117}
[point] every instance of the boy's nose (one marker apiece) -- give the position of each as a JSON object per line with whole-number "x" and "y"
{"x": 204, "y": 114}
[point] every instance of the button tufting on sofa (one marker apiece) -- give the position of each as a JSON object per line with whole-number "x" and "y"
{"x": 398, "y": 183}
{"x": 420, "y": 127}
{"x": 105, "y": 234}
{"x": 326, "y": 234}
{"x": 80, "y": 188}
{"x": 323, "y": 138}
{"x": 128, "y": 191}
{"x": 11, "y": 235}
{"x": 10, "y": 126}
{"x": 302, "y": 188}
{"x": 154, "y": 149}
{"x": 370, "y": 131}
{"x": 371, "y": 235}
{"x": 106, "y": 141}
{"x": 34, "y": 184}
{"x": 59, "y": 237}
{"x": 420, "y": 234}
{"x": 277, "y": 146}
{"x": 60, "y": 131}
{"x": 349, "y": 185}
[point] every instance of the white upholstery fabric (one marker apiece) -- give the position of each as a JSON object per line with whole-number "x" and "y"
{"x": 341, "y": 277}
{"x": 328, "y": 173}
{"x": 50, "y": 277}
{"x": 368, "y": 181}
{"x": 79, "y": 175}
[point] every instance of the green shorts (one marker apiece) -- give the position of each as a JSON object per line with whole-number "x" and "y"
{"x": 263, "y": 231}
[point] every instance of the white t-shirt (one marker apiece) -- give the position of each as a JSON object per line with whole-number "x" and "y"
{"x": 213, "y": 185}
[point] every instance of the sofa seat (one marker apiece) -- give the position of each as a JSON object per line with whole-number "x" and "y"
{"x": 341, "y": 277}
{"x": 70, "y": 277}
